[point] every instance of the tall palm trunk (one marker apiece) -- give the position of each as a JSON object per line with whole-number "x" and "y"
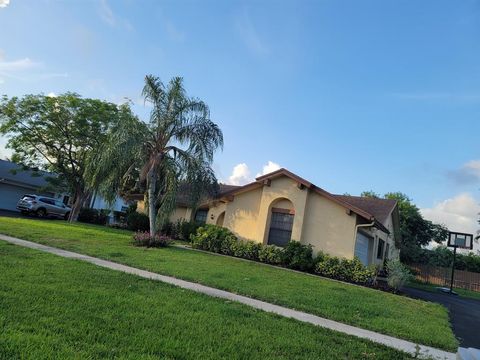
{"x": 151, "y": 182}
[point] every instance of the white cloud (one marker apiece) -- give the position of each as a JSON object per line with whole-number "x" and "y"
{"x": 15, "y": 68}
{"x": 4, "y": 3}
{"x": 17, "y": 65}
{"x": 459, "y": 213}
{"x": 51, "y": 94}
{"x": 107, "y": 15}
{"x": 249, "y": 34}
{"x": 268, "y": 168}
{"x": 240, "y": 175}
{"x": 25, "y": 69}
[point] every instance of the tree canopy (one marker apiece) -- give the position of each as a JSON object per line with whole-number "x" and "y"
{"x": 415, "y": 231}
{"x": 175, "y": 146}
{"x": 59, "y": 134}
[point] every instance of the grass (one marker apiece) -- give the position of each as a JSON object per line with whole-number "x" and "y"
{"x": 414, "y": 320}
{"x": 56, "y": 308}
{"x": 433, "y": 288}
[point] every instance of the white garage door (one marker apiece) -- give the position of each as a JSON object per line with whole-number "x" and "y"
{"x": 362, "y": 247}
{"x": 9, "y": 196}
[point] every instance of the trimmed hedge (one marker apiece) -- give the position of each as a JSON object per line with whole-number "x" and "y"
{"x": 343, "y": 269}
{"x": 138, "y": 221}
{"x": 294, "y": 256}
{"x": 181, "y": 229}
{"x": 93, "y": 216}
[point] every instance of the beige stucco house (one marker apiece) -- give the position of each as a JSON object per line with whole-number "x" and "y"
{"x": 281, "y": 206}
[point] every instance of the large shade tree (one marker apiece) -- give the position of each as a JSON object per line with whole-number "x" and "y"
{"x": 174, "y": 147}
{"x": 415, "y": 230}
{"x": 59, "y": 134}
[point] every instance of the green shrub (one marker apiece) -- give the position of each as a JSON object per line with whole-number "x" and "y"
{"x": 270, "y": 254}
{"x": 294, "y": 256}
{"x": 298, "y": 256}
{"x": 93, "y": 216}
{"x": 138, "y": 221}
{"x": 397, "y": 274}
{"x": 213, "y": 238}
{"x": 328, "y": 266}
{"x": 343, "y": 269}
{"x": 246, "y": 249}
{"x": 184, "y": 229}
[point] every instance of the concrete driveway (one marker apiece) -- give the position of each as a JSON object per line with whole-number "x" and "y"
{"x": 464, "y": 314}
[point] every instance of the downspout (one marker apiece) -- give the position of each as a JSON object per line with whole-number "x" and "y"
{"x": 356, "y": 232}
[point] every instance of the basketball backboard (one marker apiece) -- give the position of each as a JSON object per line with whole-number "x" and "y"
{"x": 460, "y": 240}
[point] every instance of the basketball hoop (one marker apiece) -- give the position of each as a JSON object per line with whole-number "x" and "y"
{"x": 458, "y": 240}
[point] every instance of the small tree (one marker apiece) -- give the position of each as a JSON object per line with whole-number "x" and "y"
{"x": 398, "y": 274}
{"x": 59, "y": 134}
{"x": 415, "y": 231}
{"x": 176, "y": 146}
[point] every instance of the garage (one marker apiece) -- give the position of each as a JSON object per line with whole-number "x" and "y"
{"x": 15, "y": 183}
{"x": 363, "y": 247}
{"x": 9, "y": 196}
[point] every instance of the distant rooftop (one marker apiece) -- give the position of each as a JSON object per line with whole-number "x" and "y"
{"x": 13, "y": 173}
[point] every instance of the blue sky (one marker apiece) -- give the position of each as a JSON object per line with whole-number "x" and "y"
{"x": 352, "y": 95}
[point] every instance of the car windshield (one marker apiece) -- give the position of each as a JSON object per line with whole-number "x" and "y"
{"x": 28, "y": 197}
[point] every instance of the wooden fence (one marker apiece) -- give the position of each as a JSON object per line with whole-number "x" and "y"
{"x": 441, "y": 276}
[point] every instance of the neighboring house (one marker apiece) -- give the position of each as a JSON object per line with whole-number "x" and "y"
{"x": 15, "y": 183}
{"x": 281, "y": 206}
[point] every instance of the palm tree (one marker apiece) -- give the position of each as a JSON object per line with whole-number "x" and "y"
{"x": 175, "y": 146}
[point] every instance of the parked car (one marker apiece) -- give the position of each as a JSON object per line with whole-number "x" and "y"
{"x": 43, "y": 206}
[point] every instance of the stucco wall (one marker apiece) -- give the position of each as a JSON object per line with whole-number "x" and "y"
{"x": 389, "y": 239}
{"x": 242, "y": 213}
{"x": 328, "y": 227}
{"x": 214, "y": 212}
{"x": 141, "y": 207}
{"x": 274, "y": 196}
{"x": 180, "y": 214}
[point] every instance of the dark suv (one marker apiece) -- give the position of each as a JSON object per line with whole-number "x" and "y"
{"x": 43, "y": 206}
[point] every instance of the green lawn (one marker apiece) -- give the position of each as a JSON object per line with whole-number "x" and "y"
{"x": 56, "y": 308}
{"x": 415, "y": 320}
{"x": 433, "y": 288}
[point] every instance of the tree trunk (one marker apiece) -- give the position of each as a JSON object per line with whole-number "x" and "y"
{"x": 151, "y": 183}
{"x": 80, "y": 197}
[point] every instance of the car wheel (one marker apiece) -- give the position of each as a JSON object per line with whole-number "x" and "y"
{"x": 67, "y": 215}
{"x": 41, "y": 213}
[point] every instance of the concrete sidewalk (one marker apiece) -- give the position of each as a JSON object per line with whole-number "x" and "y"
{"x": 390, "y": 341}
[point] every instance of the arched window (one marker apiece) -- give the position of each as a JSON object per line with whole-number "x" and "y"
{"x": 281, "y": 223}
